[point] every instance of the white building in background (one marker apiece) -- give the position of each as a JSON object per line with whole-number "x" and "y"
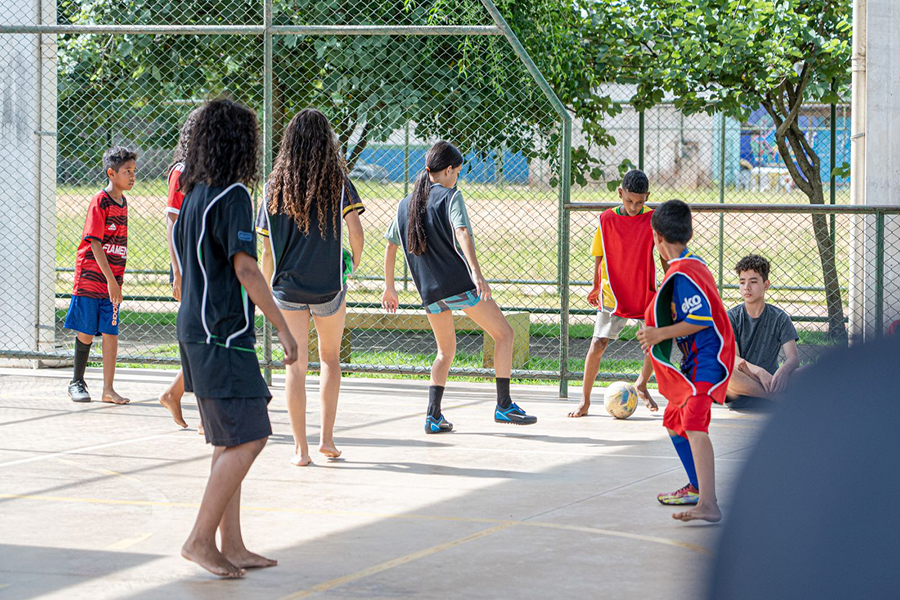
{"x": 877, "y": 161}
{"x": 28, "y": 159}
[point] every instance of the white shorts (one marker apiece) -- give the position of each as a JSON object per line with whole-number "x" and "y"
{"x": 609, "y": 326}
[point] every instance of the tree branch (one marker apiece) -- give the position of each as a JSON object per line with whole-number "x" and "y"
{"x": 785, "y": 152}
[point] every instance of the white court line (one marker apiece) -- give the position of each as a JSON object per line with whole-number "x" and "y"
{"x": 23, "y": 461}
{"x": 557, "y": 452}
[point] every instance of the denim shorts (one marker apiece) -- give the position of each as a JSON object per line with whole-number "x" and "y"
{"x": 326, "y": 309}
{"x": 457, "y": 302}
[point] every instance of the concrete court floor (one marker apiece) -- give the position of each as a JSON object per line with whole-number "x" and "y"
{"x": 96, "y": 500}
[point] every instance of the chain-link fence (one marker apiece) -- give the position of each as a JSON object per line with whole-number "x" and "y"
{"x": 395, "y": 76}
{"x": 827, "y": 305}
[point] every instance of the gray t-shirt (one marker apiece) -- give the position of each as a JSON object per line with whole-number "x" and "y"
{"x": 760, "y": 340}
{"x": 459, "y": 217}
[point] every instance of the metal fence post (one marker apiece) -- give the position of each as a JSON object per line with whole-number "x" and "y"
{"x": 722, "y": 201}
{"x": 267, "y": 155}
{"x": 879, "y": 275}
{"x": 564, "y": 215}
{"x": 565, "y": 183}
{"x": 641, "y": 131}
{"x": 405, "y": 194}
{"x": 832, "y": 184}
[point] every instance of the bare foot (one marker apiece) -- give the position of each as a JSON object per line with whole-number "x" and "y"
{"x": 329, "y": 450}
{"x": 113, "y": 398}
{"x": 248, "y": 560}
{"x": 649, "y": 402}
{"x": 173, "y": 405}
{"x": 301, "y": 460}
{"x": 700, "y": 512}
{"x": 582, "y": 409}
{"x": 211, "y": 559}
{"x": 200, "y": 429}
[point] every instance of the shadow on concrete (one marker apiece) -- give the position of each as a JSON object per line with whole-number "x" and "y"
{"x": 86, "y": 565}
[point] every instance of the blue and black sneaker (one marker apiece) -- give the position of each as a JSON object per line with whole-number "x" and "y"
{"x": 513, "y": 414}
{"x": 439, "y": 425}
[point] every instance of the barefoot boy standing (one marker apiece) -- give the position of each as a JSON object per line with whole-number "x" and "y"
{"x": 216, "y": 249}
{"x": 99, "y": 268}
{"x": 687, "y": 308}
{"x": 624, "y": 280}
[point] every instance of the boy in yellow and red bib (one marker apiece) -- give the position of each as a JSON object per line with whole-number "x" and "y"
{"x": 687, "y": 308}
{"x": 624, "y": 279}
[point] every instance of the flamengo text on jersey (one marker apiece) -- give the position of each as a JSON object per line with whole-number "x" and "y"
{"x": 115, "y": 249}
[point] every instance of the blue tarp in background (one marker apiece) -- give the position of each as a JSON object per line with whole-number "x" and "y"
{"x": 477, "y": 168}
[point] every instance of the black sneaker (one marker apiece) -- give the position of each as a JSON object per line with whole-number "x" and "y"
{"x": 78, "y": 392}
{"x": 514, "y": 415}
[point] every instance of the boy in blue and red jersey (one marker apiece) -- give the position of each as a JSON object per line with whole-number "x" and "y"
{"x": 687, "y": 308}
{"x": 99, "y": 268}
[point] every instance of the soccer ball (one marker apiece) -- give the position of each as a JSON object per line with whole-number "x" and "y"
{"x": 620, "y": 399}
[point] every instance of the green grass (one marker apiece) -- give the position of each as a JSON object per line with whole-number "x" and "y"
{"x": 516, "y": 229}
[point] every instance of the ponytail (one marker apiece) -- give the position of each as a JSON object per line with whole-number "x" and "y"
{"x": 442, "y": 155}
{"x": 416, "y": 223}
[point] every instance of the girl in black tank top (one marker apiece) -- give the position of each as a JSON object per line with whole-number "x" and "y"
{"x": 441, "y": 258}
{"x": 308, "y": 200}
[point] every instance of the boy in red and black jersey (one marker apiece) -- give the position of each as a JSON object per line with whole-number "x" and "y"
{"x": 99, "y": 267}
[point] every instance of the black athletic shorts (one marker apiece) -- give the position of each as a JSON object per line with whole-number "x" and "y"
{"x": 230, "y": 391}
{"x": 234, "y": 421}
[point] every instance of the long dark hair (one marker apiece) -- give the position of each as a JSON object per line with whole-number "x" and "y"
{"x": 184, "y": 138}
{"x": 442, "y": 155}
{"x": 223, "y": 147}
{"x": 309, "y": 173}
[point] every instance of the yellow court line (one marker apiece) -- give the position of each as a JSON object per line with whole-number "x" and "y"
{"x": 128, "y": 542}
{"x": 396, "y": 562}
{"x": 621, "y": 534}
{"x": 95, "y": 469}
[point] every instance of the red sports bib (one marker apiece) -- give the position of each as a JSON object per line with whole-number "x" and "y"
{"x": 673, "y": 384}
{"x": 628, "y": 254}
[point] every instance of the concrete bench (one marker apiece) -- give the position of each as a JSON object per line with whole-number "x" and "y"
{"x": 379, "y": 320}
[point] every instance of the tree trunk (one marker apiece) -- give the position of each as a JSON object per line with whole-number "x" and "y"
{"x": 358, "y": 147}
{"x": 837, "y": 330}
{"x": 803, "y": 164}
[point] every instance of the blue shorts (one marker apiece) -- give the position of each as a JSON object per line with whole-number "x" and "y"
{"x": 92, "y": 316}
{"x": 457, "y": 302}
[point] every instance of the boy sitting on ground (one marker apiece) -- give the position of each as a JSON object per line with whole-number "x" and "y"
{"x": 761, "y": 331}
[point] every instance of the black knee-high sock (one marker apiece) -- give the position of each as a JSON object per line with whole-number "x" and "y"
{"x": 435, "y": 393}
{"x": 82, "y": 352}
{"x": 503, "y": 398}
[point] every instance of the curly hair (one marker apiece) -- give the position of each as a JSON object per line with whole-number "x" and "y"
{"x": 442, "y": 155}
{"x": 223, "y": 147}
{"x": 184, "y": 138}
{"x": 117, "y": 156}
{"x": 309, "y": 173}
{"x": 753, "y": 262}
{"x": 636, "y": 182}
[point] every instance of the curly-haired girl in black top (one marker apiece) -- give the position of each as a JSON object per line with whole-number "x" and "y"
{"x": 308, "y": 201}
{"x": 216, "y": 251}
